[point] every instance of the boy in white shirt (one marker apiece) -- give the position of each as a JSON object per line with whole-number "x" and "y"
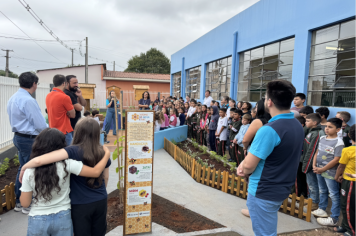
{"x": 221, "y": 132}
{"x": 191, "y": 112}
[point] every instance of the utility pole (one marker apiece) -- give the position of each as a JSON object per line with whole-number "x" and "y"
{"x": 7, "y": 61}
{"x": 114, "y": 65}
{"x": 72, "y": 49}
{"x": 86, "y": 60}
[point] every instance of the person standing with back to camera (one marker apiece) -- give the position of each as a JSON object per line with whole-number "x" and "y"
{"x": 110, "y": 112}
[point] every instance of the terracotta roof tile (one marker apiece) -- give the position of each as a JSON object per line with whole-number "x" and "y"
{"x": 121, "y": 74}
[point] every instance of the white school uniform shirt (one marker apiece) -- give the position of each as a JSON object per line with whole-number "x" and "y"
{"x": 222, "y": 123}
{"x": 191, "y": 111}
{"x": 157, "y": 126}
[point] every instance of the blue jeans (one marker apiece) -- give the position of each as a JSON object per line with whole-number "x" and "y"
{"x": 110, "y": 117}
{"x": 24, "y": 146}
{"x": 263, "y": 215}
{"x": 329, "y": 186}
{"x": 59, "y": 224}
{"x": 69, "y": 138}
{"x": 313, "y": 186}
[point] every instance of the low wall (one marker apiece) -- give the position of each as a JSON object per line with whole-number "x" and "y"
{"x": 179, "y": 134}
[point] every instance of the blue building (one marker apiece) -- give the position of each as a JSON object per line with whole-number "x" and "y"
{"x": 310, "y": 43}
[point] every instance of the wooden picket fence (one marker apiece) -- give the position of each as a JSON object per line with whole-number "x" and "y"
{"x": 10, "y": 198}
{"x": 236, "y": 185}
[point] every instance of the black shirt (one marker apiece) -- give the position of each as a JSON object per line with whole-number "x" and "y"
{"x": 74, "y": 99}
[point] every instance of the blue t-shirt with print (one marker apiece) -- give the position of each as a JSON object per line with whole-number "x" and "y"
{"x": 80, "y": 192}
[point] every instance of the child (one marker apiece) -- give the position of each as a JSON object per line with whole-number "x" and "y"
{"x": 202, "y": 122}
{"x": 217, "y": 104}
{"x": 87, "y": 114}
{"x": 343, "y": 133}
{"x": 186, "y": 109}
{"x": 47, "y": 184}
{"x": 159, "y": 119}
{"x": 343, "y": 175}
{"x": 298, "y": 101}
{"x": 240, "y": 136}
{"x": 225, "y": 102}
{"x": 207, "y": 122}
{"x": 191, "y": 112}
{"x": 196, "y": 124}
{"x": 304, "y": 111}
{"x": 95, "y": 114}
{"x": 169, "y": 107}
{"x": 324, "y": 113}
{"x": 213, "y": 124}
{"x": 301, "y": 119}
{"x": 181, "y": 116}
{"x": 253, "y": 113}
{"x": 234, "y": 129}
{"x": 232, "y": 104}
{"x": 246, "y": 108}
{"x": 212, "y": 103}
{"x": 165, "y": 124}
{"x": 221, "y": 132}
{"x": 172, "y": 118}
{"x": 310, "y": 147}
{"x": 324, "y": 166}
{"x": 239, "y": 105}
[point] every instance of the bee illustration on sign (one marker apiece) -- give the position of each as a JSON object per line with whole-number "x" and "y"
{"x": 130, "y": 226}
{"x": 132, "y": 161}
{"x": 138, "y": 219}
{"x": 132, "y": 183}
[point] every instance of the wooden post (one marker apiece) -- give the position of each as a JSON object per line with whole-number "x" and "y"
{"x": 1, "y": 193}
{"x": 285, "y": 205}
{"x": 310, "y": 202}
{"x": 193, "y": 165}
{"x": 12, "y": 196}
{"x": 238, "y": 186}
{"x": 219, "y": 179}
{"x": 208, "y": 177}
{"x": 7, "y": 197}
{"x": 175, "y": 152}
{"x": 203, "y": 175}
{"x": 226, "y": 181}
{"x": 232, "y": 184}
{"x": 292, "y": 208}
{"x": 301, "y": 206}
{"x": 244, "y": 189}
{"x": 213, "y": 178}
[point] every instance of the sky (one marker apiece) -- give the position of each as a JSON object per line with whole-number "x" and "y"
{"x": 116, "y": 29}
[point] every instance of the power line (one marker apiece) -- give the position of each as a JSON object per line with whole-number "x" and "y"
{"x": 28, "y": 35}
{"x": 40, "y": 61}
{"x": 39, "y": 40}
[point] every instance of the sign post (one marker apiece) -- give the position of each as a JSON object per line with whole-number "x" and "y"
{"x": 138, "y": 171}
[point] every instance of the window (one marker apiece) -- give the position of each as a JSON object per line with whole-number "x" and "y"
{"x": 261, "y": 65}
{"x": 176, "y": 84}
{"x": 192, "y": 88}
{"x": 332, "y": 66}
{"x": 218, "y": 76}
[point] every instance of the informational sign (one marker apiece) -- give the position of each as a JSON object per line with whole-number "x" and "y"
{"x": 138, "y": 171}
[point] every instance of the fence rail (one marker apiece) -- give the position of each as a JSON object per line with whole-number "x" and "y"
{"x": 10, "y": 198}
{"x": 236, "y": 185}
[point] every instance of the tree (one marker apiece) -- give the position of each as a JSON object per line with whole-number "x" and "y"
{"x": 153, "y": 61}
{"x": 11, "y": 74}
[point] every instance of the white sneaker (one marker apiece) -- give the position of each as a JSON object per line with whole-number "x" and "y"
{"x": 18, "y": 207}
{"x": 320, "y": 213}
{"x": 26, "y": 211}
{"x": 327, "y": 221}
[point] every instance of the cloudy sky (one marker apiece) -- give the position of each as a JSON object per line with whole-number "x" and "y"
{"x": 116, "y": 29}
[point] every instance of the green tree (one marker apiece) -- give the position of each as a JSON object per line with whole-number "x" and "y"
{"x": 11, "y": 74}
{"x": 153, "y": 61}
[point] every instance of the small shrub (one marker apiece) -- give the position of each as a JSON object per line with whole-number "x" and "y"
{"x": 233, "y": 166}
{"x": 4, "y": 166}
{"x": 173, "y": 141}
{"x": 16, "y": 160}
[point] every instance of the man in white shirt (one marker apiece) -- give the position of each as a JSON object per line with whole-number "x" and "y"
{"x": 207, "y": 99}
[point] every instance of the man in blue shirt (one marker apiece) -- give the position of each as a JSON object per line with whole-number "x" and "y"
{"x": 273, "y": 159}
{"x": 27, "y": 122}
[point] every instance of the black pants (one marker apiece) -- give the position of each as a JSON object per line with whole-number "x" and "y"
{"x": 221, "y": 147}
{"x": 90, "y": 219}
{"x": 302, "y": 187}
{"x": 240, "y": 153}
{"x": 347, "y": 205}
{"x": 212, "y": 140}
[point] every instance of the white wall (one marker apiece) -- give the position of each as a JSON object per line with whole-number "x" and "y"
{"x": 94, "y": 77}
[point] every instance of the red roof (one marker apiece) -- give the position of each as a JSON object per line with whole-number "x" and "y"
{"x": 120, "y": 74}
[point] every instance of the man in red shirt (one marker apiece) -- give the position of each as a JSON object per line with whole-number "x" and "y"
{"x": 60, "y": 108}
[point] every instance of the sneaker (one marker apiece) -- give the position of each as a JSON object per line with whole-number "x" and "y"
{"x": 327, "y": 221}
{"x": 315, "y": 206}
{"x": 26, "y": 210}
{"x": 230, "y": 160}
{"x": 18, "y": 207}
{"x": 320, "y": 213}
{"x": 245, "y": 212}
{"x": 107, "y": 142}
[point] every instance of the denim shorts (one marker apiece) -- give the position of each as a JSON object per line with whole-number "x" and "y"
{"x": 59, "y": 224}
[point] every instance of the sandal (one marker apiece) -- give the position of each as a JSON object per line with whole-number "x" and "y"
{"x": 339, "y": 229}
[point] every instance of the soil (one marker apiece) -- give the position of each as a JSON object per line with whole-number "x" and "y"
{"x": 7, "y": 178}
{"x": 217, "y": 164}
{"x": 315, "y": 232}
{"x": 164, "y": 212}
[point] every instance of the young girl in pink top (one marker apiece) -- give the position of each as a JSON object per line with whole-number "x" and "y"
{"x": 172, "y": 118}
{"x": 165, "y": 124}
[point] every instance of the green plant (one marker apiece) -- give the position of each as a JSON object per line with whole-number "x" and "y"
{"x": 194, "y": 154}
{"x": 233, "y": 166}
{"x": 4, "y": 166}
{"x": 193, "y": 140}
{"x": 115, "y": 155}
{"x": 195, "y": 144}
{"x": 173, "y": 141}
{"x": 211, "y": 165}
{"x": 200, "y": 161}
{"x": 16, "y": 161}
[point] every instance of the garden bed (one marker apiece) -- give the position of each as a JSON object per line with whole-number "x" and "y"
{"x": 8, "y": 175}
{"x": 164, "y": 212}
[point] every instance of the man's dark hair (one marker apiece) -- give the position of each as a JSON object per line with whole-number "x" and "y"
{"x": 248, "y": 105}
{"x": 301, "y": 119}
{"x": 94, "y": 112}
{"x": 223, "y": 109}
{"x": 239, "y": 112}
{"x": 281, "y": 92}
{"x": 323, "y": 111}
{"x": 213, "y": 101}
{"x": 208, "y": 91}
{"x": 226, "y": 98}
{"x": 69, "y": 77}
{"x": 352, "y": 133}
{"x": 306, "y": 110}
{"x": 232, "y": 109}
{"x": 314, "y": 117}
{"x": 86, "y": 113}
{"x": 58, "y": 80}
{"x": 27, "y": 79}
{"x": 300, "y": 95}
{"x": 336, "y": 121}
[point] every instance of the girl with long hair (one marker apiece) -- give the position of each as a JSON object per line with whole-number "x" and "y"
{"x": 110, "y": 112}
{"x": 144, "y": 103}
{"x": 47, "y": 185}
{"x": 239, "y": 105}
{"x": 186, "y": 108}
{"x": 246, "y": 108}
{"x": 88, "y": 195}
{"x": 165, "y": 124}
{"x": 159, "y": 119}
{"x": 172, "y": 118}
